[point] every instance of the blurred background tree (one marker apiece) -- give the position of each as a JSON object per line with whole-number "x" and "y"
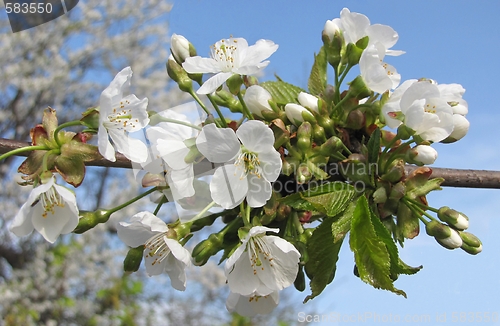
{"x": 66, "y": 64}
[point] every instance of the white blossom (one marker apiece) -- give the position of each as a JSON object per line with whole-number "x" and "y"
{"x": 262, "y": 264}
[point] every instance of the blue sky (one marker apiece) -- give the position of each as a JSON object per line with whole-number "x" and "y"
{"x": 449, "y": 41}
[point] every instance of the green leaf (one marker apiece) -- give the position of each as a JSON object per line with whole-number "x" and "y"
{"x": 317, "y": 78}
{"x": 323, "y": 255}
{"x": 296, "y": 201}
{"x": 331, "y": 198}
{"x": 370, "y": 251}
{"x": 374, "y": 146}
{"x": 282, "y": 92}
{"x": 397, "y": 266}
{"x": 342, "y": 223}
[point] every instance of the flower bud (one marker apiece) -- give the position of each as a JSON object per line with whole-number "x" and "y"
{"x": 358, "y": 88}
{"x": 454, "y": 218}
{"x": 179, "y": 75}
{"x": 421, "y": 154}
{"x": 444, "y": 235}
{"x": 395, "y": 172}
{"x": 380, "y": 195}
{"x": 207, "y": 248}
{"x": 303, "y": 174}
{"x": 304, "y": 135}
{"x": 234, "y": 84}
{"x": 133, "y": 259}
{"x": 297, "y": 113}
{"x": 224, "y": 98}
{"x": 181, "y": 48}
{"x": 332, "y": 27}
{"x": 460, "y": 129}
{"x": 257, "y": 100}
{"x": 331, "y": 146}
{"x": 471, "y": 244}
{"x": 88, "y": 220}
{"x": 308, "y": 101}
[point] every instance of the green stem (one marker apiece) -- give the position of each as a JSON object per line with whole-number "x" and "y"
{"x": 423, "y": 206}
{"x": 133, "y": 200}
{"x": 246, "y": 111}
{"x": 203, "y": 106}
{"x": 64, "y": 125}
{"x": 216, "y": 107}
{"x": 158, "y": 118}
{"x": 244, "y": 216}
{"x": 163, "y": 200}
{"x": 344, "y": 75}
{"x": 46, "y": 158}
{"x": 417, "y": 210}
{"x": 22, "y": 150}
{"x": 203, "y": 211}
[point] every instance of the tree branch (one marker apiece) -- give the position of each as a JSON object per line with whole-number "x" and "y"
{"x": 453, "y": 177}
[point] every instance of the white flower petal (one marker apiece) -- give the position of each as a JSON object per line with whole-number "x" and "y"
{"x": 261, "y": 50}
{"x": 218, "y": 145}
{"x": 195, "y": 65}
{"x": 228, "y": 187}
{"x": 51, "y": 226}
{"x": 256, "y": 136}
{"x": 259, "y": 191}
{"x": 140, "y": 229}
{"x": 105, "y": 147}
{"x": 211, "y": 84}
{"x": 134, "y": 149}
{"x": 250, "y": 306}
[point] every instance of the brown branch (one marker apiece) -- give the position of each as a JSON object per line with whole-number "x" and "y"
{"x": 453, "y": 177}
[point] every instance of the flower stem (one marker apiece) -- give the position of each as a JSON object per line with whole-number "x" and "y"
{"x": 417, "y": 210}
{"x": 203, "y": 106}
{"x": 203, "y": 211}
{"x": 133, "y": 200}
{"x": 23, "y": 149}
{"x": 156, "y": 118}
{"x": 216, "y": 107}
{"x": 246, "y": 111}
{"x": 163, "y": 200}
{"x": 64, "y": 125}
{"x": 45, "y": 159}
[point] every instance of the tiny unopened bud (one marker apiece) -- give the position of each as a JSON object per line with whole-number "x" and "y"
{"x": 380, "y": 196}
{"x": 454, "y": 218}
{"x": 471, "y": 244}
{"x": 207, "y": 248}
{"x": 304, "y": 137}
{"x": 133, "y": 259}
{"x": 179, "y": 75}
{"x": 358, "y": 88}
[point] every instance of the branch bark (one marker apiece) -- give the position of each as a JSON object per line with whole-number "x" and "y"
{"x": 462, "y": 178}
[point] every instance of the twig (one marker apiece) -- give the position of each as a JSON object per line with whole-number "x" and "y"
{"x": 453, "y": 177}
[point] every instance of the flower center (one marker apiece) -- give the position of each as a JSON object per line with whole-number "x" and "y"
{"x": 430, "y": 108}
{"x": 157, "y": 247}
{"x": 248, "y": 162}
{"x": 50, "y": 199}
{"x": 259, "y": 253}
{"x": 121, "y": 118}
{"x": 225, "y": 52}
